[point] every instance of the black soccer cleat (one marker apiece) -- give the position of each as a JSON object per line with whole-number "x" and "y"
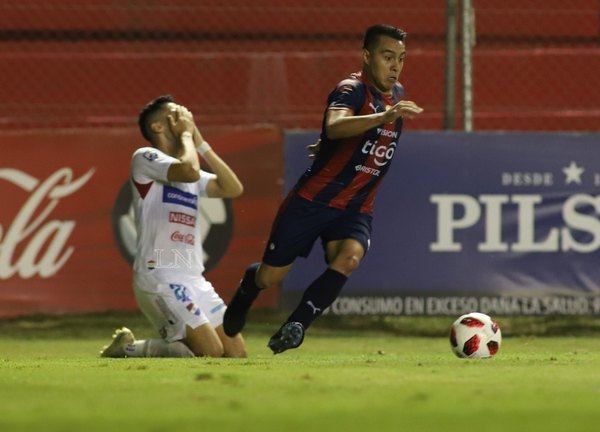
{"x": 234, "y": 318}
{"x": 289, "y": 336}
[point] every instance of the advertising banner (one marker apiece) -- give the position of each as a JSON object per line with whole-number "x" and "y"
{"x": 505, "y": 223}
{"x": 66, "y": 231}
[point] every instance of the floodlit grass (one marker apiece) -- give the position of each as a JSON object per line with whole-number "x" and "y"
{"x": 337, "y": 381}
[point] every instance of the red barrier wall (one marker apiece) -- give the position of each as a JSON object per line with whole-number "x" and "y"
{"x": 92, "y": 63}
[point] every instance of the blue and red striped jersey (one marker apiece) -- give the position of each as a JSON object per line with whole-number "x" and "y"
{"x": 347, "y": 172}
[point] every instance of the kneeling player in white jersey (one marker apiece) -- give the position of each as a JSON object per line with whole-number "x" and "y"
{"x": 168, "y": 270}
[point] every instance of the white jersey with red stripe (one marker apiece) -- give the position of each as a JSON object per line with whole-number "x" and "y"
{"x": 166, "y": 216}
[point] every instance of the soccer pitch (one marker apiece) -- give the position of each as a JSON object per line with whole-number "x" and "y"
{"x": 338, "y": 380}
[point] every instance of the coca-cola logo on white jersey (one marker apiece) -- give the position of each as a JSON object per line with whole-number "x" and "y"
{"x": 183, "y": 238}
{"x": 33, "y": 243}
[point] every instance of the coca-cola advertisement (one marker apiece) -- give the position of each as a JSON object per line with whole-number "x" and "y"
{"x": 66, "y": 232}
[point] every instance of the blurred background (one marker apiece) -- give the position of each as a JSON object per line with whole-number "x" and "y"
{"x": 90, "y": 63}
{"x": 74, "y": 75}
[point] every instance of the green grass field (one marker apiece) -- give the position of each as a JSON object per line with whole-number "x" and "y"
{"x": 374, "y": 379}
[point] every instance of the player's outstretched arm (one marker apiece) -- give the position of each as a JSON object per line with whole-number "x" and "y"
{"x": 341, "y": 123}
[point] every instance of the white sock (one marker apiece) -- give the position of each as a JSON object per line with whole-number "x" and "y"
{"x": 136, "y": 349}
{"x": 158, "y": 348}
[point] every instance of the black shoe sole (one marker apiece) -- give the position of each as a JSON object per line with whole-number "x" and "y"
{"x": 289, "y": 337}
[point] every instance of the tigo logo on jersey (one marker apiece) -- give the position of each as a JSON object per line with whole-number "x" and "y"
{"x": 383, "y": 153}
{"x": 175, "y": 196}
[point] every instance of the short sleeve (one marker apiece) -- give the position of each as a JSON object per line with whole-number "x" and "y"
{"x": 205, "y": 177}
{"x": 150, "y": 164}
{"x": 348, "y": 94}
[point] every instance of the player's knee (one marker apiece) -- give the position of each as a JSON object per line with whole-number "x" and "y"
{"x": 206, "y": 348}
{"x": 237, "y": 352}
{"x": 266, "y": 279}
{"x": 346, "y": 263}
{"x": 263, "y": 282}
{"x": 351, "y": 263}
{"x": 212, "y": 351}
{"x": 216, "y": 352}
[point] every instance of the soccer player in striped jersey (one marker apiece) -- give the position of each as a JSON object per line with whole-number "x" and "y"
{"x": 333, "y": 200}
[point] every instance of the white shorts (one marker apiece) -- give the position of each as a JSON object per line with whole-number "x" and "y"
{"x": 173, "y": 302}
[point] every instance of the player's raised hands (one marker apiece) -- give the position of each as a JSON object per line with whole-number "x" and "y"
{"x": 181, "y": 122}
{"x": 184, "y": 112}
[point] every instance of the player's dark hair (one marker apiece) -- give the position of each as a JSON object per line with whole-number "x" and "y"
{"x": 373, "y": 34}
{"x": 146, "y": 115}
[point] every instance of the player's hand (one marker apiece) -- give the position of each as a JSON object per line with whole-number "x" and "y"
{"x": 180, "y": 123}
{"x": 313, "y": 149}
{"x": 404, "y": 109}
{"x": 184, "y": 112}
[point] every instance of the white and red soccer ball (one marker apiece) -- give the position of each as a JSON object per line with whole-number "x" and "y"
{"x": 475, "y": 335}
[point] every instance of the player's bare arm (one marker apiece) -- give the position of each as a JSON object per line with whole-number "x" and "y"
{"x": 342, "y": 123}
{"x": 226, "y": 184}
{"x": 187, "y": 168}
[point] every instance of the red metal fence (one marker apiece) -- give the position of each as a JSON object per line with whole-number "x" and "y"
{"x": 95, "y": 62}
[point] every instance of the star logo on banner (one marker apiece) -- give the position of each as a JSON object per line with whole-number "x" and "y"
{"x": 573, "y": 173}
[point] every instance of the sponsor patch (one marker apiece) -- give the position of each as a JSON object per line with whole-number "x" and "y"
{"x": 176, "y": 196}
{"x": 189, "y": 239}
{"x": 151, "y": 155}
{"x": 182, "y": 218}
{"x": 180, "y": 292}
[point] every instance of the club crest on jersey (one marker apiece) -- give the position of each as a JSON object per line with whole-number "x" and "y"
{"x": 176, "y": 196}
{"x": 151, "y": 155}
